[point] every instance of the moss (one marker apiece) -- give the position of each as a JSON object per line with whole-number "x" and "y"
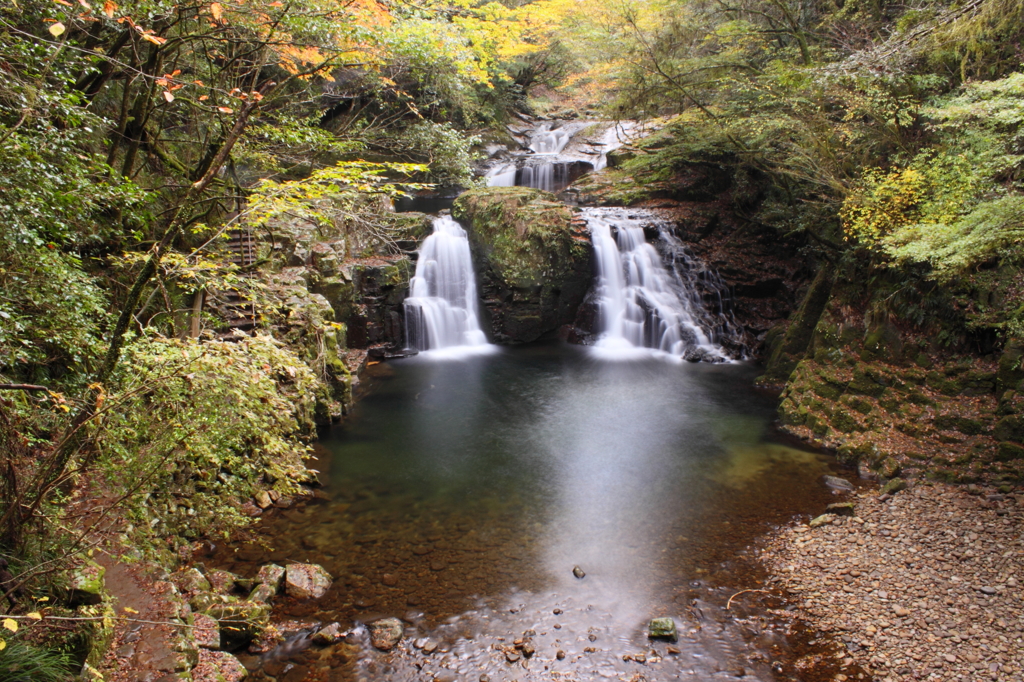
{"x": 1009, "y": 452}
{"x": 798, "y": 334}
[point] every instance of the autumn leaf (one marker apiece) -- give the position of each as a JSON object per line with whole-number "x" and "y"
{"x": 109, "y": 7}
{"x": 225, "y": 110}
{"x": 85, "y": 4}
{"x": 203, "y": 98}
{"x": 3, "y": 645}
{"x": 156, "y": 40}
{"x": 10, "y": 624}
{"x": 56, "y": 29}
{"x": 217, "y": 11}
{"x": 35, "y": 615}
{"x": 168, "y": 96}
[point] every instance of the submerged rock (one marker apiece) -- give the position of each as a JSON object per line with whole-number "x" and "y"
{"x": 838, "y": 483}
{"x": 386, "y": 633}
{"x": 306, "y": 581}
{"x": 662, "y": 628}
{"x": 329, "y": 634}
{"x": 578, "y": 572}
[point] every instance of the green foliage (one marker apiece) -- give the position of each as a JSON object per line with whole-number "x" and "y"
{"x": 446, "y": 150}
{"x": 193, "y": 430}
{"x": 20, "y": 662}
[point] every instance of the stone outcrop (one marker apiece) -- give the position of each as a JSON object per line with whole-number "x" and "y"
{"x": 533, "y": 258}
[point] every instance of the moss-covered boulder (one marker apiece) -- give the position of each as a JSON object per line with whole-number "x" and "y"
{"x": 533, "y": 258}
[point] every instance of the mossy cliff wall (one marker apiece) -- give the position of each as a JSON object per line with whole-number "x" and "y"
{"x": 888, "y": 395}
{"x": 533, "y": 258}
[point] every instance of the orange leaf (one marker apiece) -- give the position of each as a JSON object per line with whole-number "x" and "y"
{"x": 199, "y": 83}
{"x": 225, "y": 110}
{"x": 203, "y": 98}
{"x": 109, "y": 7}
{"x": 156, "y": 40}
{"x": 168, "y": 96}
{"x": 216, "y": 10}
{"x": 84, "y": 4}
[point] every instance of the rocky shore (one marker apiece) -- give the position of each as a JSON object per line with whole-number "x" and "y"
{"x": 926, "y": 584}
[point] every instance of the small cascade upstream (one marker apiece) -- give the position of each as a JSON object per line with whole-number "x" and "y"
{"x": 440, "y": 312}
{"x": 642, "y": 304}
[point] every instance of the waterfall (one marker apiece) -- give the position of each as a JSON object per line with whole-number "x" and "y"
{"x": 547, "y": 141}
{"x": 440, "y": 312}
{"x": 644, "y": 305}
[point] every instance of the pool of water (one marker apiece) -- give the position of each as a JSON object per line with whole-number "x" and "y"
{"x": 460, "y": 496}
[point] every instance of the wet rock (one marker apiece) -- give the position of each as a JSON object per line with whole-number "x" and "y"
{"x": 987, "y": 590}
{"x": 389, "y": 580}
{"x": 221, "y": 582}
{"x": 306, "y": 581}
{"x": 838, "y": 483}
{"x": 192, "y": 580}
{"x": 239, "y": 622}
{"x": 262, "y": 500}
{"x": 560, "y": 655}
{"x": 329, "y": 634}
{"x": 578, "y": 572}
{"x": 206, "y": 631}
{"x": 841, "y": 508}
{"x": 271, "y": 575}
{"x": 894, "y": 486}
{"x": 262, "y": 594}
{"x": 429, "y": 647}
{"x": 386, "y": 633}
{"x": 219, "y": 666}
{"x": 512, "y": 656}
{"x": 662, "y": 628}
{"x": 823, "y": 520}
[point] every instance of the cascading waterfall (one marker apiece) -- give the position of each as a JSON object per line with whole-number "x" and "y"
{"x": 644, "y": 305}
{"x": 440, "y": 312}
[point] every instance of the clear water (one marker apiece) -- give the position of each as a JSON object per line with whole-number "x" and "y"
{"x": 460, "y": 495}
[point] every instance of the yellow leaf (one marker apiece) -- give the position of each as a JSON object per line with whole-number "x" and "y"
{"x": 10, "y": 624}
{"x": 217, "y": 11}
{"x": 168, "y": 96}
{"x": 225, "y": 110}
{"x": 156, "y": 40}
{"x": 203, "y": 98}
{"x": 3, "y": 645}
{"x": 109, "y": 7}
{"x": 56, "y": 29}
{"x": 35, "y": 615}
{"x": 129, "y": 609}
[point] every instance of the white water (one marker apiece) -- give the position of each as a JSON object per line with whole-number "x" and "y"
{"x": 440, "y": 312}
{"x": 642, "y": 306}
{"x": 547, "y": 141}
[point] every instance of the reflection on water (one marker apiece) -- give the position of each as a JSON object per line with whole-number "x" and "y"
{"x": 461, "y": 495}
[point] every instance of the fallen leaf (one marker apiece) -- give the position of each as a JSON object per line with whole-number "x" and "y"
{"x": 35, "y": 615}
{"x": 10, "y": 624}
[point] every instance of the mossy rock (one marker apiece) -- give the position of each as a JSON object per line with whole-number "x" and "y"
{"x": 889, "y": 468}
{"x": 869, "y": 381}
{"x": 534, "y": 259}
{"x": 1010, "y": 427}
{"x": 1011, "y": 366}
{"x": 941, "y": 383}
{"x": 1009, "y": 452}
{"x": 844, "y": 422}
{"x": 85, "y": 586}
{"x": 894, "y": 486}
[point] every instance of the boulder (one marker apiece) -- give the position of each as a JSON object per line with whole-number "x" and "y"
{"x": 386, "y": 633}
{"x": 206, "y": 631}
{"x": 222, "y": 582}
{"x": 823, "y": 520}
{"x": 893, "y": 486}
{"x": 271, "y": 575}
{"x": 263, "y": 593}
{"x": 838, "y": 483}
{"x": 306, "y": 581}
{"x": 239, "y": 622}
{"x": 86, "y": 585}
{"x": 662, "y": 628}
{"x": 191, "y": 580}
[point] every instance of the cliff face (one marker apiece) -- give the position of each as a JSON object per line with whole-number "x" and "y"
{"x": 533, "y": 259}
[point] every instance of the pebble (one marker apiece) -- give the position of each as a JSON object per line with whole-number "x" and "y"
{"x": 922, "y": 586}
{"x": 578, "y": 572}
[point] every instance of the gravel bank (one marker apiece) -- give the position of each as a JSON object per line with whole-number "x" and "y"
{"x": 927, "y": 584}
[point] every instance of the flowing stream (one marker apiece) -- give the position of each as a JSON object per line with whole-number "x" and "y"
{"x": 459, "y": 496}
{"x": 441, "y": 310}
